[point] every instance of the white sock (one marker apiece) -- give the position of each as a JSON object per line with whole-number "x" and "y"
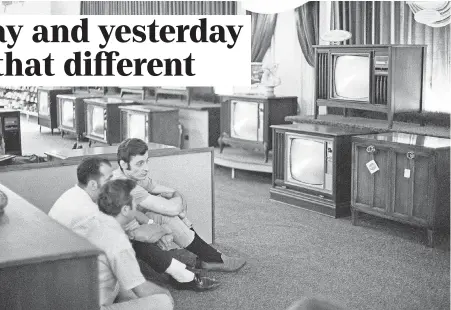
{"x": 179, "y": 272}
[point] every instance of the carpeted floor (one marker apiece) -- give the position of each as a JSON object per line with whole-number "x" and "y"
{"x": 292, "y": 253}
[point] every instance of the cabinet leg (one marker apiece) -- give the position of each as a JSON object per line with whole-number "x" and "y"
{"x": 221, "y": 145}
{"x": 233, "y": 173}
{"x": 40, "y": 128}
{"x": 266, "y": 149}
{"x": 354, "y": 216}
{"x": 51, "y": 131}
{"x": 390, "y": 120}
{"x": 432, "y": 236}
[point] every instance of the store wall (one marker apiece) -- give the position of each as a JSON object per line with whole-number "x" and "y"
{"x": 27, "y": 7}
{"x": 65, "y": 7}
{"x": 42, "y": 8}
{"x": 297, "y": 76}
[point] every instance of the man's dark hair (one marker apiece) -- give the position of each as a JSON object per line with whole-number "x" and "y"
{"x": 89, "y": 169}
{"x": 114, "y": 195}
{"x": 129, "y": 148}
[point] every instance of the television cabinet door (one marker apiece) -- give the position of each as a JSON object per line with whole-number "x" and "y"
{"x": 412, "y": 184}
{"x": 370, "y": 191}
{"x": 164, "y": 128}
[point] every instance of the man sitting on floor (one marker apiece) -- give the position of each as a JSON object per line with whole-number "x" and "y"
{"x": 120, "y": 277}
{"x": 167, "y": 207}
{"x": 78, "y": 204}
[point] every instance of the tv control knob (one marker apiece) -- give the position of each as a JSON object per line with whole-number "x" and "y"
{"x": 410, "y": 155}
{"x": 371, "y": 149}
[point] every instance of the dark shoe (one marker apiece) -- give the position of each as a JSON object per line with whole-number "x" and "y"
{"x": 229, "y": 264}
{"x": 199, "y": 284}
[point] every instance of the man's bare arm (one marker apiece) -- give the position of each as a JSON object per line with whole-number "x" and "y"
{"x": 161, "y": 189}
{"x": 170, "y": 207}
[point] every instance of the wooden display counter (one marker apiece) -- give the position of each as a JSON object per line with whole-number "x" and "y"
{"x": 188, "y": 171}
{"x": 109, "y": 151}
{"x": 43, "y": 265}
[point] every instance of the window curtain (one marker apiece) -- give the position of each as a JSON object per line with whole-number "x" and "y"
{"x": 158, "y": 8}
{"x": 392, "y": 22}
{"x": 307, "y": 24}
{"x": 263, "y": 26}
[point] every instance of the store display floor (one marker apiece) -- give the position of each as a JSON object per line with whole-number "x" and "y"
{"x": 292, "y": 253}
{"x": 35, "y": 142}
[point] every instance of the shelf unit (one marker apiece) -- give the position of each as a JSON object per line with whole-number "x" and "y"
{"x": 23, "y": 98}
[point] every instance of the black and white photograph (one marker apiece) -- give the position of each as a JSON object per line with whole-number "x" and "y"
{"x": 321, "y": 182}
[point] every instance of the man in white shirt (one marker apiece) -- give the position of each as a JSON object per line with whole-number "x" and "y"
{"x": 121, "y": 283}
{"x": 77, "y": 206}
{"x": 167, "y": 207}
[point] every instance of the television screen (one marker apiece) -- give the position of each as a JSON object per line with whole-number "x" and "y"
{"x": 137, "y": 126}
{"x": 306, "y": 161}
{"x": 67, "y": 113}
{"x": 96, "y": 121}
{"x": 352, "y": 77}
{"x": 247, "y": 120}
{"x": 44, "y": 105}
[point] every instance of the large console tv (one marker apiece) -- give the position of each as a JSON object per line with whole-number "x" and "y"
{"x": 379, "y": 78}
{"x": 312, "y": 167}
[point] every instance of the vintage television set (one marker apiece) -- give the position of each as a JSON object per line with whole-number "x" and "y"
{"x": 381, "y": 78}
{"x": 246, "y": 120}
{"x": 71, "y": 113}
{"x": 47, "y": 106}
{"x": 151, "y": 124}
{"x": 10, "y": 131}
{"x": 103, "y": 119}
{"x": 312, "y": 167}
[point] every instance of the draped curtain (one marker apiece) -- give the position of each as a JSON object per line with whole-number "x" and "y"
{"x": 263, "y": 27}
{"x": 307, "y": 24}
{"x": 392, "y": 22}
{"x": 158, "y": 8}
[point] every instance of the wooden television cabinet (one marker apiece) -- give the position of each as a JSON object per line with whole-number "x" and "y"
{"x": 379, "y": 78}
{"x": 103, "y": 119}
{"x": 47, "y": 106}
{"x": 412, "y": 183}
{"x": 266, "y": 111}
{"x": 312, "y": 167}
{"x": 10, "y": 131}
{"x": 151, "y": 124}
{"x": 71, "y": 113}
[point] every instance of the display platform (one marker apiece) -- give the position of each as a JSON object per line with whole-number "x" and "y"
{"x": 236, "y": 158}
{"x": 374, "y": 124}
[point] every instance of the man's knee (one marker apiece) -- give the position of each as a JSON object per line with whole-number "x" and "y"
{"x": 164, "y": 301}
